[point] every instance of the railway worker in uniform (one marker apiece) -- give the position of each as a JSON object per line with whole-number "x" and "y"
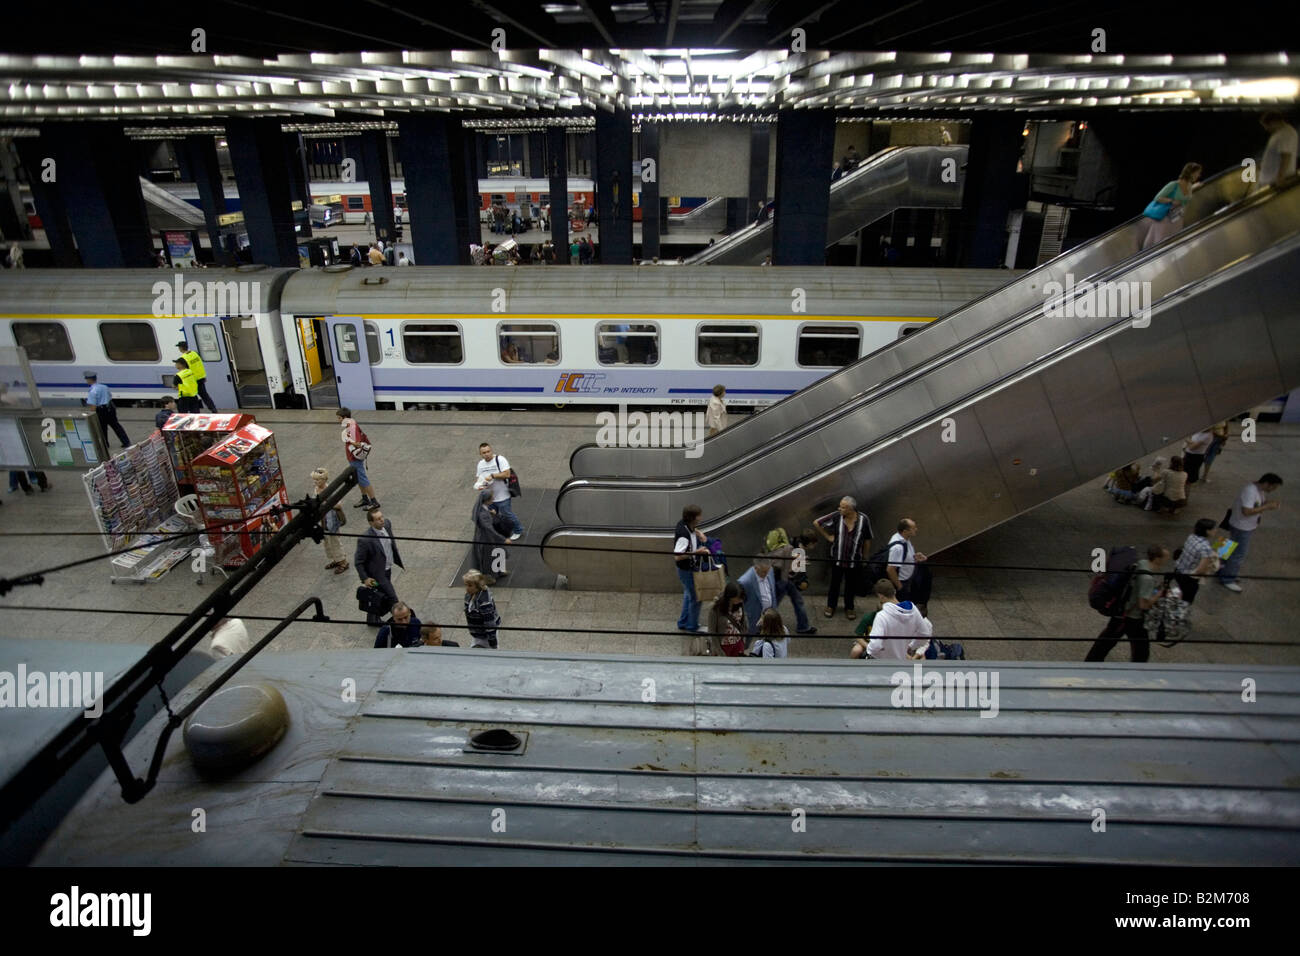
{"x": 100, "y": 397}
{"x": 849, "y": 533}
{"x": 492, "y": 472}
{"x": 187, "y": 388}
{"x": 195, "y": 362}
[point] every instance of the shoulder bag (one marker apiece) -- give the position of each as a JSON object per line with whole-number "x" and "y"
{"x": 709, "y": 580}
{"x": 512, "y": 480}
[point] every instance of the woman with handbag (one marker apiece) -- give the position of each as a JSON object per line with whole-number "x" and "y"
{"x": 1164, "y": 214}
{"x": 688, "y": 545}
{"x": 334, "y": 520}
{"x": 727, "y": 620}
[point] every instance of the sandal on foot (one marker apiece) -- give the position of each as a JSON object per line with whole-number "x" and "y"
{"x": 829, "y": 612}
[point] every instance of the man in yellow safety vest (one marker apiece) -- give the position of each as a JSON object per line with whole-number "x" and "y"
{"x": 187, "y": 388}
{"x": 195, "y": 362}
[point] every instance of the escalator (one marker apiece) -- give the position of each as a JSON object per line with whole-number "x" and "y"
{"x": 787, "y": 419}
{"x": 897, "y": 178}
{"x": 1036, "y": 402}
{"x": 168, "y": 211}
{"x": 710, "y": 216}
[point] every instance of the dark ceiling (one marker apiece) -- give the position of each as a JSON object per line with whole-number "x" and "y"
{"x": 257, "y": 29}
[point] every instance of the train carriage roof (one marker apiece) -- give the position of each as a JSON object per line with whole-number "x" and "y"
{"x": 645, "y": 290}
{"x": 119, "y": 291}
{"x": 658, "y": 760}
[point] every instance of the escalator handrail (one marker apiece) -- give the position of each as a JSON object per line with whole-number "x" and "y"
{"x": 1279, "y": 247}
{"x": 1191, "y": 231}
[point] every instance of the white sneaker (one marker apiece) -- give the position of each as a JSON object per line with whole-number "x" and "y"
{"x": 1232, "y": 586}
{"x": 515, "y": 537}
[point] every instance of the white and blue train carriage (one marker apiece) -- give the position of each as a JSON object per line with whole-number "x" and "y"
{"x": 521, "y": 335}
{"x": 123, "y": 325}
{"x": 528, "y": 335}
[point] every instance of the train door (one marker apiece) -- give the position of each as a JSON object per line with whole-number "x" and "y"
{"x": 347, "y": 340}
{"x": 206, "y": 336}
{"x": 247, "y": 367}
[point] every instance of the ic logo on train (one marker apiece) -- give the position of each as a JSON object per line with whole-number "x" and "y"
{"x": 580, "y": 382}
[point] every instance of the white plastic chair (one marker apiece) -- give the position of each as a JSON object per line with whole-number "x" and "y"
{"x": 188, "y": 508}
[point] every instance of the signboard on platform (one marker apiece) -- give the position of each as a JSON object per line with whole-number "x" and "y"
{"x": 180, "y": 249}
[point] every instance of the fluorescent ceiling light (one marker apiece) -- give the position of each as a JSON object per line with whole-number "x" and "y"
{"x": 1281, "y": 88}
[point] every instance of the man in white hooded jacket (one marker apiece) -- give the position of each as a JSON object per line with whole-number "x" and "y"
{"x": 899, "y": 632}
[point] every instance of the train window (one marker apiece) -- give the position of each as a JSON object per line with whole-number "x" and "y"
{"x": 44, "y": 341}
{"x": 346, "y": 349}
{"x": 355, "y": 203}
{"x": 373, "y": 351}
{"x": 627, "y": 343}
{"x": 205, "y": 340}
{"x": 428, "y": 343}
{"x": 129, "y": 341}
{"x": 727, "y": 345}
{"x": 529, "y": 343}
{"x": 829, "y": 345}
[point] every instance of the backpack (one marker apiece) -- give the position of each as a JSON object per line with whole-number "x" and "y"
{"x": 776, "y": 538}
{"x": 1109, "y": 592}
{"x": 876, "y": 565}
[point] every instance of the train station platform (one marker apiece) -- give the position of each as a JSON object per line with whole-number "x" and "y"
{"x": 423, "y": 471}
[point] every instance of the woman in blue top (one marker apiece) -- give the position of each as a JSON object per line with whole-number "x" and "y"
{"x": 1171, "y": 199}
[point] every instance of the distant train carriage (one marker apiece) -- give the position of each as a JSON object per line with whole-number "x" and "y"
{"x": 462, "y": 335}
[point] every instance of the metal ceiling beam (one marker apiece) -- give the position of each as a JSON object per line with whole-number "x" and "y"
{"x": 602, "y": 18}
{"x": 537, "y": 23}
{"x": 730, "y": 14}
{"x": 790, "y": 14}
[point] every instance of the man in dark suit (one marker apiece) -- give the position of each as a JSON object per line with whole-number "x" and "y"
{"x": 375, "y": 556}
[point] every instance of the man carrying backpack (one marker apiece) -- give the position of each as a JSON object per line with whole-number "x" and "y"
{"x": 1144, "y": 587}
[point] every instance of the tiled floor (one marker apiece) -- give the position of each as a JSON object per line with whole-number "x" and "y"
{"x": 423, "y": 470}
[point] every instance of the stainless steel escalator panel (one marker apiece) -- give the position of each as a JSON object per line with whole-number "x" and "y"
{"x": 1025, "y": 439}
{"x": 1221, "y": 348}
{"x": 961, "y": 475}
{"x": 960, "y": 378}
{"x": 1077, "y": 393}
{"x": 1146, "y": 360}
{"x": 1277, "y": 302}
